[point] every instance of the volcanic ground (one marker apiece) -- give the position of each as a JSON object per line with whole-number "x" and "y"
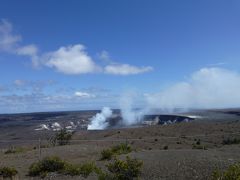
{"x": 195, "y": 147}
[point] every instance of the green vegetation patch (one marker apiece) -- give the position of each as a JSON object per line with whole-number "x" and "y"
{"x": 107, "y": 154}
{"x": 123, "y": 148}
{"x": 14, "y": 150}
{"x": 48, "y": 164}
{"x": 195, "y": 146}
{"x": 62, "y": 137}
{"x": 116, "y": 170}
{"x": 8, "y": 172}
{"x": 55, "y": 164}
{"x": 232, "y": 173}
{"x": 84, "y": 170}
{"x": 198, "y": 145}
{"x": 122, "y": 170}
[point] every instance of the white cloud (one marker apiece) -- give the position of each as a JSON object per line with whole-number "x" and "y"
{"x": 75, "y": 60}
{"x": 121, "y": 69}
{"x": 67, "y": 59}
{"x": 8, "y": 41}
{"x": 126, "y": 69}
{"x": 29, "y": 50}
{"x": 206, "y": 88}
{"x": 71, "y": 60}
{"x": 104, "y": 55}
{"x": 84, "y": 94}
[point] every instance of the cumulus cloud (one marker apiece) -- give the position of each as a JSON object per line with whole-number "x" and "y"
{"x": 126, "y": 69}
{"x": 75, "y": 60}
{"x": 71, "y": 60}
{"x": 84, "y": 94}
{"x": 206, "y": 88}
{"x": 8, "y": 41}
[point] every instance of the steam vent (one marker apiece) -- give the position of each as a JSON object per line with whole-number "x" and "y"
{"x": 116, "y": 121}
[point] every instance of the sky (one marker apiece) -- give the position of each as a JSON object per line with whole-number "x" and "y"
{"x": 76, "y": 55}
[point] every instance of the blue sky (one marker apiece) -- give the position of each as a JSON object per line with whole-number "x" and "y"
{"x": 71, "y": 55}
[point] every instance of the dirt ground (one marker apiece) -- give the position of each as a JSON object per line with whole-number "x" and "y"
{"x": 181, "y": 160}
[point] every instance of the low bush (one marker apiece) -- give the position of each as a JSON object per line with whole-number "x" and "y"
{"x": 48, "y": 164}
{"x": 72, "y": 170}
{"x": 87, "y": 169}
{"x": 55, "y": 164}
{"x": 8, "y": 172}
{"x": 124, "y": 170}
{"x": 232, "y": 173}
{"x": 195, "y": 146}
{"x": 13, "y": 150}
{"x": 123, "y": 148}
{"x": 198, "y": 145}
{"x": 61, "y": 138}
{"x": 107, "y": 154}
{"x": 84, "y": 170}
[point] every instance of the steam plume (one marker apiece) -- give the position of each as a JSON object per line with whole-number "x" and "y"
{"x": 130, "y": 115}
{"x": 206, "y": 88}
{"x": 99, "y": 120}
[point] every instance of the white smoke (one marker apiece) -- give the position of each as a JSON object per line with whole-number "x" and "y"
{"x": 206, "y": 88}
{"x": 99, "y": 120}
{"x": 42, "y": 127}
{"x": 130, "y": 115}
{"x": 56, "y": 126}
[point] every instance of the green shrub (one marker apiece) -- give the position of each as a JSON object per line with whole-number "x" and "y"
{"x": 123, "y": 148}
{"x": 8, "y": 172}
{"x": 35, "y": 169}
{"x": 55, "y": 164}
{"x": 72, "y": 170}
{"x": 198, "y": 145}
{"x": 61, "y": 138}
{"x": 194, "y": 146}
{"x": 232, "y": 173}
{"x": 87, "y": 169}
{"x": 106, "y": 176}
{"x": 75, "y": 170}
{"x": 48, "y": 164}
{"x": 14, "y": 150}
{"x": 107, "y": 154}
{"x": 124, "y": 170}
